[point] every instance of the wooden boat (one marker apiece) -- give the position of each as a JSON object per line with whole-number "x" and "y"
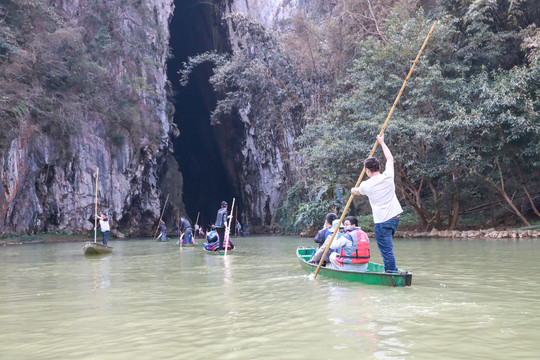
{"x": 93, "y": 248}
{"x": 218, "y": 252}
{"x": 374, "y": 275}
{"x": 187, "y": 245}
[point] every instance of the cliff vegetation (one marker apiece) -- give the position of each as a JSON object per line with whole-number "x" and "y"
{"x": 465, "y": 134}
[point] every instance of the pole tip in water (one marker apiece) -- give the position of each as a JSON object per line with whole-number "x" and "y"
{"x": 311, "y": 276}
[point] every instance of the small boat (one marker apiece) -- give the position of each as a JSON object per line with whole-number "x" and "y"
{"x": 216, "y": 252}
{"x": 186, "y": 245}
{"x": 374, "y": 275}
{"x": 93, "y": 248}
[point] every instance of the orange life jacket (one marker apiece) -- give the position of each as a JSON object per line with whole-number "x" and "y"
{"x": 358, "y": 252}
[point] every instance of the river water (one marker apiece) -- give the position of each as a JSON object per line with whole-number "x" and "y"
{"x": 152, "y": 300}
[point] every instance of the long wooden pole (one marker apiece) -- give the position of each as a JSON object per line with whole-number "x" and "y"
{"x": 235, "y": 222}
{"x": 228, "y": 230}
{"x": 197, "y": 221}
{"x": 373, "y": 149}
{"x": 162, "y": 212}
{"x": 95, "y": 211}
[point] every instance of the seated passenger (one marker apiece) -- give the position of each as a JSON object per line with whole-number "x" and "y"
{"x": 352, "y": 247}
{"x": 317, "y": 255}
{"x": 212, "y": 240}
{"x": 230, "y": 244}
{"x": 323, "y": 233}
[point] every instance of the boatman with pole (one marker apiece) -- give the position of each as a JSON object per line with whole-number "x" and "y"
{"x": 103, "y": 224}
{"x": 221, "y": 223}
{"x": 381, "y": 192}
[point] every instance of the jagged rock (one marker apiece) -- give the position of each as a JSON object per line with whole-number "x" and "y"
{"x": 45, "y": 191}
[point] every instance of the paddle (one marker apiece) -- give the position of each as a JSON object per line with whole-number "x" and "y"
{"x": 373, "y": 149}
{"x": 180, "y": 242}
{"x": 228, "y": 229}
{"x": 196, "y": 227}
{"x": 95, "y": 215}
{"x": 162, "y": 212}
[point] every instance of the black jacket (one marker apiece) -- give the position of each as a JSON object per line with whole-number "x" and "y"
{"x": 184, "y": 225}
{"x": 221, "y": 219}
{"x": 320, "y": 237}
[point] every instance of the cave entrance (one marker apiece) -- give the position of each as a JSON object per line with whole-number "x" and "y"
{"x": 196, "y": 28}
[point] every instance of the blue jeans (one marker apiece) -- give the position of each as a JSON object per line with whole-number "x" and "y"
{"x": 105, "y": 237}
{"x": 383, "y": 235}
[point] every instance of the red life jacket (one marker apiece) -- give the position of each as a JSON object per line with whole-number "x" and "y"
{"x": 358, "y": 252}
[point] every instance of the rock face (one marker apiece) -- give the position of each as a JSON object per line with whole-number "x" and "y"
{"x": 50, "y": 185}
{"x": 268, "y": 12}
{"x": 261, "y": 173}
{"x": 44, "y": 189}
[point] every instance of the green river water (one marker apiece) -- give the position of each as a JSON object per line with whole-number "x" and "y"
{"x": 152, "y": 300}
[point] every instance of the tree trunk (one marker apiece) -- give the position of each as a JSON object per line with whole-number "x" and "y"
{"x": 455, "y": 215}
{"x": 531, "y": 201}
{"x": 501, "y": 189}
{"x": 436, "y": 205}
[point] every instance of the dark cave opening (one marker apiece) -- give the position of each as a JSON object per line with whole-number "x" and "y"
{"x": 196, "y": 28}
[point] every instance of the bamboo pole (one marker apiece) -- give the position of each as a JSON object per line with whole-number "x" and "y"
{"x": 373, "y": 149}
{"x": 162, "y": 212}
{"x": 228, "y": 230}
{"x": 235, "y": 222}
{"x": 95, "y": 211}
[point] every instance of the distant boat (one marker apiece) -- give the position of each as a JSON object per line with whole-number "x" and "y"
{"x": 186, "y": 245}
{"x": 374, "y": 275}
{"x": 93, "y": 248}
{"x": 216, "y": 252}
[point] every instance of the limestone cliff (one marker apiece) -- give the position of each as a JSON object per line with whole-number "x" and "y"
{"x": 48, "y": 171}
{"x": 269, "y": 168}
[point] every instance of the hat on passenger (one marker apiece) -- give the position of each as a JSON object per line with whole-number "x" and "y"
{"x": 334, "y": 225}
{"x": 223, "y": 203}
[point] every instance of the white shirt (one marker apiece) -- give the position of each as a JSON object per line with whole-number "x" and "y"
{"x": 104, "y": 225}
{"x": 381, "y": 192}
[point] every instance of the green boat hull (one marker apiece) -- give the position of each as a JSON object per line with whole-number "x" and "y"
{"x": 374, "y": 275}
{"x": 92, "y": 248}
{"x": 217, "y": 253}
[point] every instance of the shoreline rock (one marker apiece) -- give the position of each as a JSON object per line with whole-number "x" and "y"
{"x": 471, "y": 234}
{"x": 459, "y": 234}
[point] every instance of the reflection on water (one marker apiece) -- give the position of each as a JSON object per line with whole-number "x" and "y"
{"x": 101, "y": 271}
{"x": 469, "y": 300}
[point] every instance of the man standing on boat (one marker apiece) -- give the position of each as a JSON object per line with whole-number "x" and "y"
{"x": 221, "y": 223}
{"x": 104, "y": 226}
{"x": 163, "y": 230}
{"x": 185, "y": 229}
{"x": 381, "y": 192}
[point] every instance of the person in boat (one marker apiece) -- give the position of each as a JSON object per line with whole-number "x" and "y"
{"x": 212, "y": 240}
{"x": 323, "y": 233}
{"x": 317, "y": 255}
{"x": 381, "y": 192}
{"x": 163, "y": 230}
{"x": 103, "y": 224}
{"x": 187, "y": 232}
{"x": 239, "y": 228}
{"x": 221, "y": 223}
{"x": 352, "y": 247}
